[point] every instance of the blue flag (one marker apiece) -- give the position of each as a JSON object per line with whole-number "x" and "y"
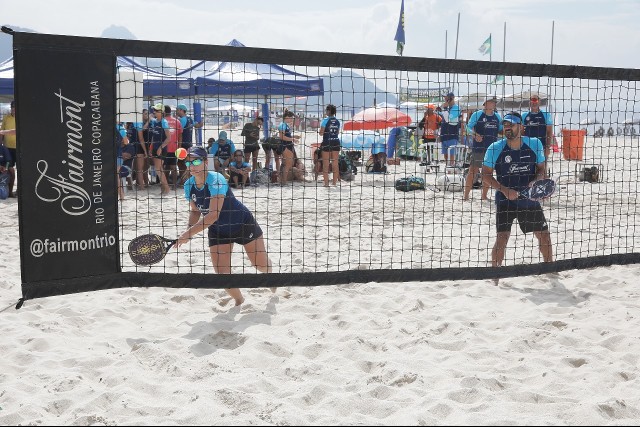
{"x": 400, "y": 31}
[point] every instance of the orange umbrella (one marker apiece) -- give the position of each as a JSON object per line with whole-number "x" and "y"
{"x": 377, "y": 118}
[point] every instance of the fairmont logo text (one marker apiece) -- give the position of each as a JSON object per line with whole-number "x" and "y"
{"x": 71, "y": 188}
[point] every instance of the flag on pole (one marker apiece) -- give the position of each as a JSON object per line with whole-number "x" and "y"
{"x": 400, "y": 31}
{"x": 497, "y": 80}
{"x": 486, "y": 46}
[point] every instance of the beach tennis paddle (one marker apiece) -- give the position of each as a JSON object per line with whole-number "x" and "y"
{"x": 539, "y": 190}
{"x": 431, "y": 187}
{"x": 149, "y": 249}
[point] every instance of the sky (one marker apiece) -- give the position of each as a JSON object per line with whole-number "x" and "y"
{"x": 587, "y": 32}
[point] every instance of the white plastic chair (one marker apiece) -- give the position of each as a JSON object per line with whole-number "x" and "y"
{"x": 460, "y": 154}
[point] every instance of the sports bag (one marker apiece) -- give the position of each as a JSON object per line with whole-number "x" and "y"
{"x": 410, "y": 184}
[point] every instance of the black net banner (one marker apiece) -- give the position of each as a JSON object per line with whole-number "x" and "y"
{"x": 67, "y": 184}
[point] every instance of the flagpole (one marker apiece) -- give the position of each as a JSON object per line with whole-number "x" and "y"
{"x": 504, "y": 56}
{"x": 490, "y": 47}
{"x": 457, "y": 34}
{"x": 453, "y": 86}
{"x": 549, "y": 105}
{"x": 445, "y": 43}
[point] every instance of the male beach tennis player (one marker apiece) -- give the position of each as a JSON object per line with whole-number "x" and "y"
{"x": 213, "y": 206}
{"x": 518, "y": 161}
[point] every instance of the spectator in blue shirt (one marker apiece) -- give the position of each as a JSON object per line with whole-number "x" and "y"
{"x": 484, "y": 127}
{"x": 222, "y": 151}
{"x": 450, "y": 126}
{"x": 239, "y": 170}
{"x": 538, "y": 123}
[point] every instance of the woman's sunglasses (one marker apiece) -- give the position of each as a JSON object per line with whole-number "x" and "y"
{"x": 195, "y": 162}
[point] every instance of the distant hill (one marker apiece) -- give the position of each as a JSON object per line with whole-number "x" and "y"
{"x": 348, "y": 90}
{"x": 118, "y": 32}
{"x": 6, "y": 41}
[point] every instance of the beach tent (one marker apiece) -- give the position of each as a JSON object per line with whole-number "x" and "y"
{"x": 6, "y": 80}
{"x": 472, "y": 101}
{"x": 235, "y": 106}
{"x": 240, "y": 79}
{"x": 520, "y": 101}
{"x": 249, "y": 80}
{"x": 158, "y": 84}
{"x": 154, "y": 83}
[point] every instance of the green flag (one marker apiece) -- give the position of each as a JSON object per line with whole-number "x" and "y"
{"x": 486, "y": 46}
{"x": 497, "y": 80}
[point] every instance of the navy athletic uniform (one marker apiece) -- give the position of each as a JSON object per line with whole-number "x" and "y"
{"x": 223, "y": 152}
{"x": 187, "y": 131}
{"x": 449, "y": 127}
{"x": 535, "y": 125}
{"x": 134, "y": 145}
{"x": 487, "y": 126}
{"x": 515, "y": 169}
{"x": 235, "y": 224}
{"x": 286, "y": 145}
{"x": 330, "y": 140}
{"x": 157, "y": 136}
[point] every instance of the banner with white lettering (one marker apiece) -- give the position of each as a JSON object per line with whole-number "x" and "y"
{"x": 66, "y": 165}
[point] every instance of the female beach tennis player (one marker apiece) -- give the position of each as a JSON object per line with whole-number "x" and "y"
{"x": 213, "y": 206}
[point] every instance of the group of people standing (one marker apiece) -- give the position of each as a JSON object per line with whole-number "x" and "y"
{"x": 280, "y": 148}
{"x": 153, "y": 142}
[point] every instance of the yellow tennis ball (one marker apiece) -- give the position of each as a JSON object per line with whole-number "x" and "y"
{"x": 181, "y": 153}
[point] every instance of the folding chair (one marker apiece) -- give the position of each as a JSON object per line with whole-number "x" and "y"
{"x": 430, "y": 156}
{"x": 460, "y": 154}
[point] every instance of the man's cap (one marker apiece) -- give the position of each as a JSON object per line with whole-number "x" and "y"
{"x": 197, "y": 152}
{"x": 451, "y": 95}
{"x": 13, "y": 103}
{"x": 222, "y": 135}
{"x": 513, "y": 117}
{"x": 158, "y": 107}
{"x": 490, "y": 98}
{"x": 182, "y": 107}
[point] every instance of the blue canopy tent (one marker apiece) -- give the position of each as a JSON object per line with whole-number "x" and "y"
{"x": 154, "y": 83}
{"x": 248, "y": 80}
{"x": 6, "y": 80}
{"x": 157, "y": 84}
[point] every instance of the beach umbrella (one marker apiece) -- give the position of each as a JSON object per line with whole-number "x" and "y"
{"x": 377, "y": 118}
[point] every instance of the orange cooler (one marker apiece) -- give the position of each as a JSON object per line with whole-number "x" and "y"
{"x": 573, "y": 144}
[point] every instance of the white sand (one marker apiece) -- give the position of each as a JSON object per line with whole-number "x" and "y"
{"x": 553, "y": 349}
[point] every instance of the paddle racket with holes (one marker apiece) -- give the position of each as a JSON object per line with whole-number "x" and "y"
{"x": 540, "y": 190}
{"x": 149, "y": 249}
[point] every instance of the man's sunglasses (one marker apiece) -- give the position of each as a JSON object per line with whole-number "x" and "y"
{"x": 195, "y": 162}
{"x": 534, "y": 100}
